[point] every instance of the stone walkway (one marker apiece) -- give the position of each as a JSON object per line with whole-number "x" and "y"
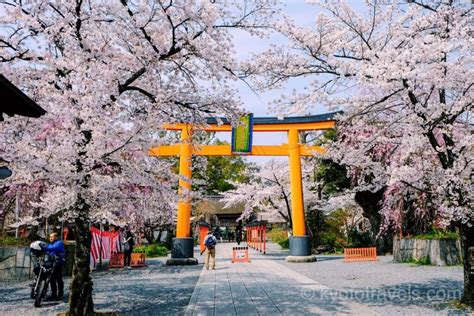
{"x": 261, "y": 287}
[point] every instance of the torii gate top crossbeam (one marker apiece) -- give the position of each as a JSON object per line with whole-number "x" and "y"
{"x": 260, "y": 124}
{"x": 268, "y": 124}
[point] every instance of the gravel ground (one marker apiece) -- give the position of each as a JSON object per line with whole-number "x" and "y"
{"x": 387, "y": 287}
{"x": 154, "y": 290}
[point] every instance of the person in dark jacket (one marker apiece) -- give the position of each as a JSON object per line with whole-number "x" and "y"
{"x": 238, "y": 234}
{"x": 128, "y": 244}
{"x": 56, "y": 248}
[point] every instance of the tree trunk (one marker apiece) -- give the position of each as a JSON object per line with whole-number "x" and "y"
{"x": 370, "y": 202}
{"x": 80, "y": 299}
{"x": 315, "y": 222}
{"x": 158, "y": 238}
{"x": 148, "y": 232}
{"x": 467, "y": 245}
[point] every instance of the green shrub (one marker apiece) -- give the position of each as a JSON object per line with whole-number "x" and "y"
{"x": 153, "y": 250}
{"x": 437, "y": 234}
{"x": 277, "y": 235}
{"x": 423, "y": 261}
{"x": 139, "y": 248}
{"x": 359, "y": 239}
{"x": 285, "y": 243}
{"x": 329, "y": 239}
{"x": 12, "y": 241}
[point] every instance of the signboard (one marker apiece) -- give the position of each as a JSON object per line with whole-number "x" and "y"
{"x": 242, "y": 136}
{"x": 240, "y": 254}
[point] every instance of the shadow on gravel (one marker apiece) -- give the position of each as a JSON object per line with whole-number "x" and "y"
{"x": 263, "y": 257}
{"x": 269, "y": 255}
{"x": 328, "y": 258}
{"x": 156, "y": 289}
{"x": 8, "y": 294}
{"x": 50, "y": 304}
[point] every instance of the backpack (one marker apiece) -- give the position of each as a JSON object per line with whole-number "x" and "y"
{"x": 210, "y": 243}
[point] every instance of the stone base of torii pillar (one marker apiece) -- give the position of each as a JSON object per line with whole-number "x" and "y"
{"x": 182, "y": 252}
{"x": 300, "y": 250}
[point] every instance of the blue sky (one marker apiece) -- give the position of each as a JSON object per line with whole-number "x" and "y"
{"x": 305, "y": 15}
{"x": 245, "y": 45}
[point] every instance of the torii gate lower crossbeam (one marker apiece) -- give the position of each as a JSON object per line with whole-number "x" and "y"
{"x": 300, "y": 245}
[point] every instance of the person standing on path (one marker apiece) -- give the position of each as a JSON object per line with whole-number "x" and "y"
{"x": 238, "y": 234}
{"x": 128, "y": 244}
{"x": 218, "y": 234}
{"x": 56, "y": 248}
{"x": 210, "y": 242}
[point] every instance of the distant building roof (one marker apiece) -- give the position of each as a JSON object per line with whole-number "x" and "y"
{"x": 218, "y": 206}
{"x": 214, "y": 201}
{"x": 15, "y": 102}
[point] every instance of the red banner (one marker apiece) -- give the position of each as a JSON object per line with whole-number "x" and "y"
{"x": 103, "y": 245}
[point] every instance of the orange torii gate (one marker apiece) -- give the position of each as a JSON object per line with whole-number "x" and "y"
{"x": 300, "y": 247}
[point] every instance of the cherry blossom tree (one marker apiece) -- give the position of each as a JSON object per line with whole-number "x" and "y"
{"x": 402, "y": 73}
{"x": 109, "y": 74}
{"x": 16, "y": 206}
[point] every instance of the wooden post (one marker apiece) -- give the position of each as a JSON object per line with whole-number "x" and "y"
{"x": 297, "y": 206}
{"x": 185, "y": 173}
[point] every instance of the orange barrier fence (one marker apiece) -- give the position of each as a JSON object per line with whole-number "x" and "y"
{"x": 138, "y": 260}
{"x": 117, "y": 260}
{"x": 240, "y": 254}
{"x": 257, "y": 236}
{"x": 360, "y": 254}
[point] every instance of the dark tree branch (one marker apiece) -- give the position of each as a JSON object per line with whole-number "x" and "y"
{"x": 79, "y": 22}
{"x": 123, "y": 145}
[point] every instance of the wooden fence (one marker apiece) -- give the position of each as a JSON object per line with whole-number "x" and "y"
{"x": 360, "y": 254}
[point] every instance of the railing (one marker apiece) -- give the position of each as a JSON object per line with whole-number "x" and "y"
{"x": 138, "y": 260}
{"x": 117, "y": 260}
{"x": 257, "y": 236}
{"x": 360, "y": 254}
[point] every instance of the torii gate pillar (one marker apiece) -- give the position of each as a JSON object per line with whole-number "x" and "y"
{"x": 300, "y": 243}
{"x": 182, "y": 252}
